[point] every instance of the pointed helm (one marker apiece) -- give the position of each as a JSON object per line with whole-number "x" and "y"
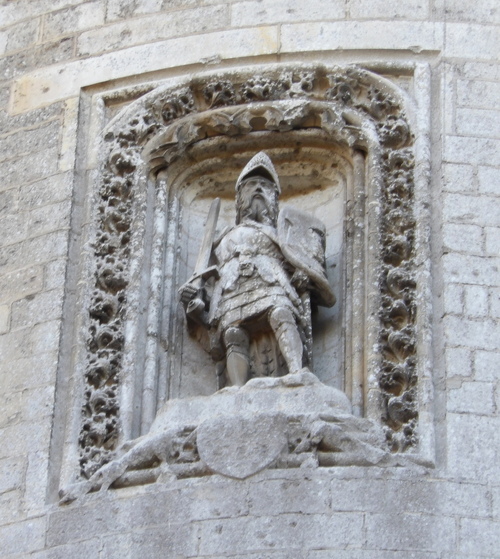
{"x": 260, "y": 164}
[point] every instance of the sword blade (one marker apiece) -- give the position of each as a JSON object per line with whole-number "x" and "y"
{"x": 208, "y": 238}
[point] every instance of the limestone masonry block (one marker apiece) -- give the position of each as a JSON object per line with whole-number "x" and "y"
{"x": 478, "y": 122}
{"x": 458, "y": 178}
{"x": 72, "y": 20}
{"x": 46, "y": 191}
{"x": 25, "y": 437}
{"x": 408, "y": 530}
{"x": 45, "y": 336}
{"x": 472, "y": 397}
{"x": 476, "y": 300}
{"x": 489, "y": 180}
{"x": 458, "y": 362}
{"x": 471, "y": 452}
{"x": 12, "y": 13}
{"x": 361, "y": 35}
{"x": 21, "y": 283}
{"x": 483, "y": 535}
{"x": 480, "y": 334}
{"x": 36, "y": 308}
{"x": 281, "y": 11}
{"x": 23, "y": 35}
{"x": 17, "y": 171}
{"x": 481, "y": 40}
{"x": 49, "y": 218}
{"x": 454, "y": 298}
{"x": 478, "y": 270}
{"x": 378, "y": 9}
{"x": 486, "y": 365}
{"x": 20, "y": 371}
{"x": 455, "y": 10}
{"x": 12, "y": 229}
{"x": 11, "y": 474}
{"x": 463, "y": 238}
{"x": 148, "y": 29}
{"x": 495, "y": 302}
{"x": 122, "y": 9}
{"x": 482, "y": 151}
{"x": 471, "y": 209}
{"x": 22, "y": 537}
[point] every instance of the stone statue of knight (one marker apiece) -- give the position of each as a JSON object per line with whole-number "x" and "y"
{"x": 253, "y": 286}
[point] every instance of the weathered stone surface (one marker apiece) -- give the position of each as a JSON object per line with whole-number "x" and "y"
{"x": 407, "y": 532}
{"x": 295, "y": 394}
{"x": 241, "y": 445}
{"x": 153, "y": 28}
{"x": 71, "y": 20}
{"x": 22, "y": 537}
{"x": 4, "y": 318}
{"x": 470, "y": 455}
{"x": 449, "y": 512}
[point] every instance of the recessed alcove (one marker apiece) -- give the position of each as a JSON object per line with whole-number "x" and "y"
{"x": 316, "y": 177}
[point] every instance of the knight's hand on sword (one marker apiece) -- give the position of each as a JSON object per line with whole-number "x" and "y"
{"x": 191, "y": 293}
{"x": 188, "y": 293}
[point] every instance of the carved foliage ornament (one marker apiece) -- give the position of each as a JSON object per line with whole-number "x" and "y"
{"x": 352, "y": 106}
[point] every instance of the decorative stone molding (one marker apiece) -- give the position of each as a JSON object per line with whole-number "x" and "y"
{"x": 347, "y": 106}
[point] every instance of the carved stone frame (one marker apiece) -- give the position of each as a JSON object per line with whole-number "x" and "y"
{"x": 385, "y": 130}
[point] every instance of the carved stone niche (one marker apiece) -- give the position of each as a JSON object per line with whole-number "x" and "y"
{"x": 342, "y": 142}
{"x": 315, "y": 176}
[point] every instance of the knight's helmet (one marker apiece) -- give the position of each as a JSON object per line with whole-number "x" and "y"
{"x": 259, "y": 165}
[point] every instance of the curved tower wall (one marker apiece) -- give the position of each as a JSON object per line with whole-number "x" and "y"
{"x": 70, "y": 71}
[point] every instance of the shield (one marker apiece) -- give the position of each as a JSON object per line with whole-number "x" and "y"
{"x": 239, "y": 446}
{"x": 302, "y": 240}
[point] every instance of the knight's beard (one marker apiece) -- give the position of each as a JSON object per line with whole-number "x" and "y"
{"x": 258, "y": 209}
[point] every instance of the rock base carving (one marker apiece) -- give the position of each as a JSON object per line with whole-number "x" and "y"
{"x": 293, "y": 421}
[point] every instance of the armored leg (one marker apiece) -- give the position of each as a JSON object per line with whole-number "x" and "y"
{"x": 287, "y": 334}
{"x": 237, "y": 359}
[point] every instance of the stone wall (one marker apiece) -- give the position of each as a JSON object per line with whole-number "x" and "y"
{"x": 56, "y": 54}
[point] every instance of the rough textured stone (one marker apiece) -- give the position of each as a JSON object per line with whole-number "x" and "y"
{"x": 471, "y": 209}
{"x": 21, "y": 283}
{"x": 489, "y": 183}
{"x": 458, "y": 362}
{"x": 479, "y": 537}
{"x": 476, "y": 300}
{"x": 23, "y": 35}
{"x": 407, "y": 532}
{"x": 472, "y": 397}
{"x": 368, "y": 9}
{"x": 71, "y": 20}
{"x": 458, "y": 178}
{"x": 471, "y": 456}
{"x": 463, "y": 238}
{"x": 22, "y": 537}
{"x": 4, "y": 318}
{"x": 482, "y": 40}
{"x": 220, "y": 443}
{"x": 152, "y": 28}
{"x": 281, "y": 11}
{"x": 472, "y": 269}
{"x": 354, "y": 35}
{"x": 486, "y": 365}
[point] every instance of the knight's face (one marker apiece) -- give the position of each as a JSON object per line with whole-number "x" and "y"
{"x": 258, "y": 200}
